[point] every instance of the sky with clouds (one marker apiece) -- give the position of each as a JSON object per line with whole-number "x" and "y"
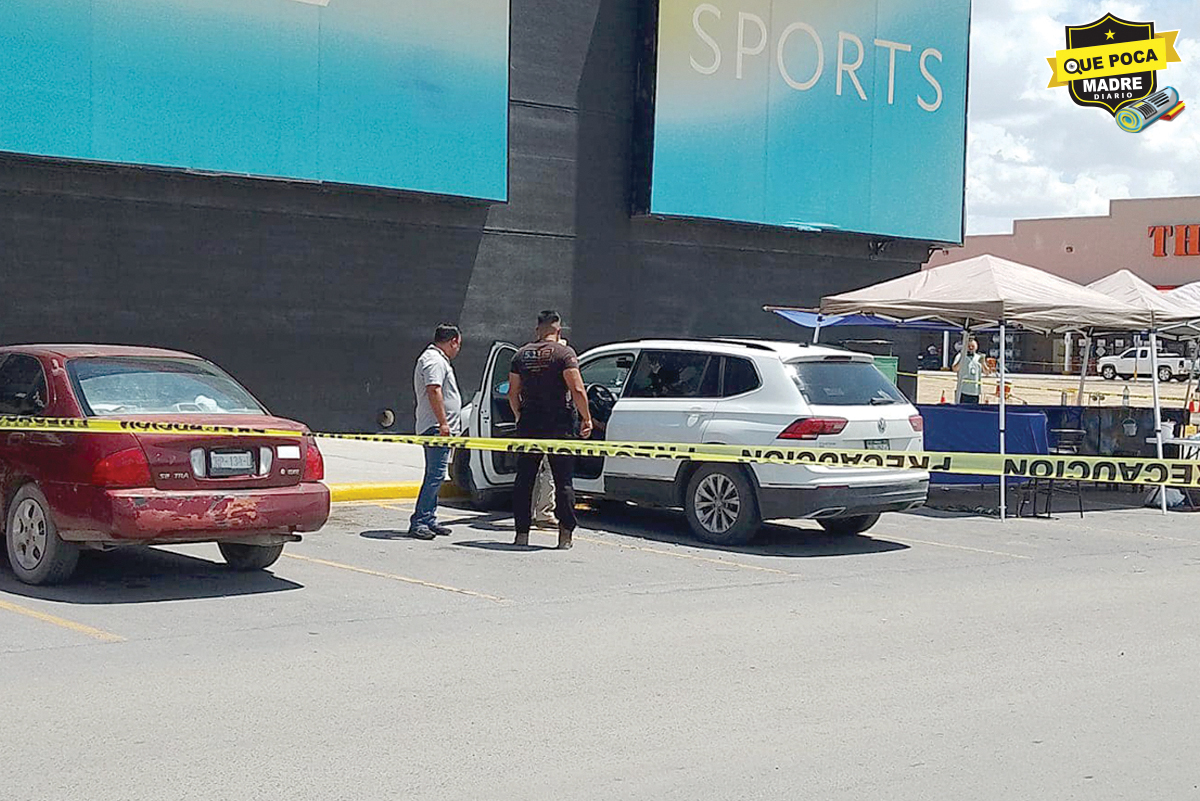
{"x": 1032, "y": 152}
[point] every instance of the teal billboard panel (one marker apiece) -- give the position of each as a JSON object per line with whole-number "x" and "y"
{"x": 837, "y": 115}
{"x": 402, "y": 94}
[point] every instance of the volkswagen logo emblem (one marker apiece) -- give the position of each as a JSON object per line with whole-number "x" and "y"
{"x": 882, "y": 425}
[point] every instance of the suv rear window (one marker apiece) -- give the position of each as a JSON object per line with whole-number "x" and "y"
{"x": 843, "y": 383}
{"x": 157, "y": 386}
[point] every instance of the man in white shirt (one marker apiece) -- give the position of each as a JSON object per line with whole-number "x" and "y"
{"x": 970, "y": 373}
{"x": 439, "y": 413}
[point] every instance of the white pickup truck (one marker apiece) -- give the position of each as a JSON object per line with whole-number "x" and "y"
{"x": 1136, "y": 362}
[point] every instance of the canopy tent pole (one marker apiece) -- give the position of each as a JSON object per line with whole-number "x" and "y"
{"x": 1187, "y": 393}
{"x": 1087, "y": 354}
{"x": 1162, "y": 489}
{"x": 1003, "y": 407}
{"x": 817, "y": 331}
{"x": 945, "y": 350}
{"x": 1138, "y": 344}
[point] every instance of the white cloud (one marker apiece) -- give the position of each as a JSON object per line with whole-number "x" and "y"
{"x": 1031, "y": 152}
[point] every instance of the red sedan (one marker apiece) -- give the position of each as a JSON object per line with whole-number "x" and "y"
{"x": 66, "y": 491}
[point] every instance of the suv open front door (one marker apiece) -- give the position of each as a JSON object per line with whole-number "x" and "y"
{"x": 492, "y": 417}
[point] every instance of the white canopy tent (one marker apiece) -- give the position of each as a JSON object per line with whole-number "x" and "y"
{"x": 1167, "y": 311}
{"x": 1165, "y": 314}
{"x": 988, "y": 291}
{"x": 1187, "y": 295}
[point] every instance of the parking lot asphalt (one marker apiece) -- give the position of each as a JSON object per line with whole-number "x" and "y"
{"x": 938, "y": 656}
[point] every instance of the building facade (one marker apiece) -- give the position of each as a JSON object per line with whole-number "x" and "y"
{"x": 1158, "y": 239}
{"x": 320, "y": 296}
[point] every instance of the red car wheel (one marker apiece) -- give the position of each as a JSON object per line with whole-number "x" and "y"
{"x": 35, "y": 551}
{"x": 242, "y": 556}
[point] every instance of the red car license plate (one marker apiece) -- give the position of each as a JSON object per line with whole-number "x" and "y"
{"x": 230, "y": 463}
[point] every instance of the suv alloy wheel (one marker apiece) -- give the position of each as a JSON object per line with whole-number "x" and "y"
{"x": 721, "y": 506}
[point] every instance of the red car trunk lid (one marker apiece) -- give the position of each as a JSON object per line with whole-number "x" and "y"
{"x": 183, "y": 461}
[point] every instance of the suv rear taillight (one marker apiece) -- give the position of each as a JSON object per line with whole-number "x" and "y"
{"x": 128, "y": 468}
{"x": 918, "y": 422}
{"x": 813, "y": 427}
{"x": 314, "y": 463}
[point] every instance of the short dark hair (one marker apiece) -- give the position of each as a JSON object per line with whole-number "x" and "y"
{"x": 548, "y": 317}
{"x": 446, "y": 333}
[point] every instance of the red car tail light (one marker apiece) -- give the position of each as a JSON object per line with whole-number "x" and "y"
{"x": 813, "y": 427}
{"x": 918, "y": 422}
{"x": 128, "y": 468}
{"x": 314, "y": 463}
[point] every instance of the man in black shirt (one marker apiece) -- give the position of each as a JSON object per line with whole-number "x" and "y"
{"x": 545, "y": 391}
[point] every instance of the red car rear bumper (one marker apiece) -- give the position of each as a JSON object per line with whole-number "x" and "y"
{"x": 150, "y": 515}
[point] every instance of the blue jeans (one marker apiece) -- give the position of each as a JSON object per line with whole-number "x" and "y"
{"x": 436, "y": 460}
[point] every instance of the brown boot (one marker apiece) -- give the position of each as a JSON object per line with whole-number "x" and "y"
{"x": 564, "y": 539}
{"x": 522, "y": 539}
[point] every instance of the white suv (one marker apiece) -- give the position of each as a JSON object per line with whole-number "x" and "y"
{"x": 734, "y": 392}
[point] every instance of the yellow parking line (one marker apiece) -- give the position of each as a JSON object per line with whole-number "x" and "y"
{"x": 958, "y": 547}
{"x": 689, "y": 556}
{"x": 70, "y": 625}
{"x": 406, "y": 579}
{"x": 393, "y": 507}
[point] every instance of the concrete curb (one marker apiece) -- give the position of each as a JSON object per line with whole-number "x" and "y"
{"x": 408, "y": 490}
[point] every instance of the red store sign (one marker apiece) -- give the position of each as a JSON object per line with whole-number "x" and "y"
{"x": 1186, "y": 240}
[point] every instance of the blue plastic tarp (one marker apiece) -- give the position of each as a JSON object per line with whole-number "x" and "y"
{"x": 816, "y": 320}
{"x": 976, "y": 429}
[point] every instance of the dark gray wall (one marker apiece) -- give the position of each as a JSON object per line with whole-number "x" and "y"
{"x": 319, "y": 299}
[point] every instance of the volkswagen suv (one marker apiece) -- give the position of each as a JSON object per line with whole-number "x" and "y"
{"x": 733, "y": 392}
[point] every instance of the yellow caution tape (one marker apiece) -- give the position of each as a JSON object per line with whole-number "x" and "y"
{"x": 1067, "y": 468}
{"x": 111, "y": 426}
{"x": 1175, "y": 472}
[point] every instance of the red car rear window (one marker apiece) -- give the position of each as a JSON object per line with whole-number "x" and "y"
{"x": 121, "y": 385}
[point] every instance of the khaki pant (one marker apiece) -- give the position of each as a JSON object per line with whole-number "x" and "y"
{"x": 543, "y": 495}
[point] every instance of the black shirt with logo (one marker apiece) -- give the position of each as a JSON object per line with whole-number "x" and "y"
{"x": 545, "y": 398}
